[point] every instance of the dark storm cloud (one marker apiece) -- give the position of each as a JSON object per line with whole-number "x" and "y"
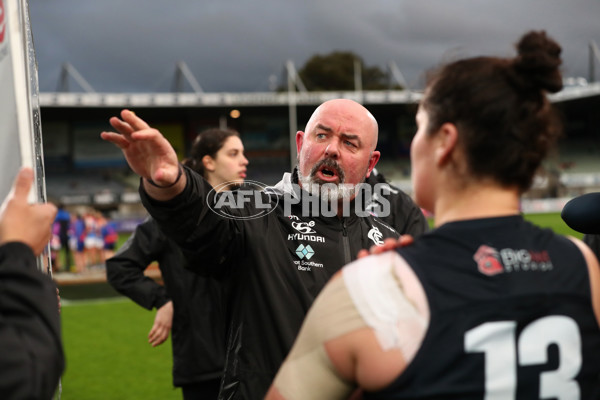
{"x": 236, "y": 45}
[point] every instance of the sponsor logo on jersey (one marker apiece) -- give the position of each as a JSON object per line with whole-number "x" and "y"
{"x": 304, "y": 227}
{"x": 310, "y": 238}
{"x": 491, "y": 261}
{"x": 305, "y": 252}
{"x": 305, "y": 230}
{"x": 488, "y": 261}
{"x": 375, "y": 235}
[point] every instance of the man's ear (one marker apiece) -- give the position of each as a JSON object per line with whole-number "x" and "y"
{"x": 446, "y": 142}
{"x": 299, "y": 141}
{"x": 208, "y": 163}
{"x": 372, "y": 162}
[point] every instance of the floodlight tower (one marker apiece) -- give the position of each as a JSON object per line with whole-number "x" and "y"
{"x": 69, "y": 70}
{"x": 293, "y": 82}
{"x": 594, "y": 57}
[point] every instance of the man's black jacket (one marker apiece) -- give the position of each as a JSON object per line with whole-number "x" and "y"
{"x": 277, "y": 264}
{"x": 403, "y": 214}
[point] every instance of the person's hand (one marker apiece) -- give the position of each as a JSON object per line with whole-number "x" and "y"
{"x": 388, "y": 244}
{"x": 162, "y": 325}
{"x": 146, "y": 150}
{"x": 23, "y": 222}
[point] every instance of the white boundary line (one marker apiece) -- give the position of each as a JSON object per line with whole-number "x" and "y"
{"x": 85, "y": 302}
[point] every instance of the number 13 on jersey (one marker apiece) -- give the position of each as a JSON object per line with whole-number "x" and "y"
{"x": 504, "y": 352}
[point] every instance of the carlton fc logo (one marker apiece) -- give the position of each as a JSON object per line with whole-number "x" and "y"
{"x": 376, "y": 236}
{"x": 488, "y": 260}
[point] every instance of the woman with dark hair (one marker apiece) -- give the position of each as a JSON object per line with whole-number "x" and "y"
{"x": 190, "y": 307}
{"x": 486, "y": 305}
{"x": 218, "y": 155}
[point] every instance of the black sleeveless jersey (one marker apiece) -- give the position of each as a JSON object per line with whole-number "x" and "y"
{"x": 511, "y": 316}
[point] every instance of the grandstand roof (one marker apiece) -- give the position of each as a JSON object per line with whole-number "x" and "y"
{"x": 576, "y": 92}
{"x": 93, "y": 99}
{"x": 62, "y": 99}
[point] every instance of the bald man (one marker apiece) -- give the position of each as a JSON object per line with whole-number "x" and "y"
{"x": 278, "y": 246}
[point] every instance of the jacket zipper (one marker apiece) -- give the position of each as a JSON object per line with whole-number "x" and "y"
{"x": 346, "y": 243}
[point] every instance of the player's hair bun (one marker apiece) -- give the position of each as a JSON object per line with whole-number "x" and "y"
{"x": 538, "y": 61}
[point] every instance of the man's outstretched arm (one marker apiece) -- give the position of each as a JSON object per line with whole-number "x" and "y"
{"x": 149, "y": 154}
{"x": 175, "y": 196}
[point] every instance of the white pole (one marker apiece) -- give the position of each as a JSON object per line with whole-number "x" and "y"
{"x": 293, "y": 119}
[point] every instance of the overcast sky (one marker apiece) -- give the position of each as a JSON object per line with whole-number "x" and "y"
{"x": 236, "y": 45}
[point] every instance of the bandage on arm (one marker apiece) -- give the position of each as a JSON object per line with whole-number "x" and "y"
{"x": 307, "y": 372}
{"x": 348, "y": 305}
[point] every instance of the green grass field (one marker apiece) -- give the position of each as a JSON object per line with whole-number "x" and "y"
{"x": 108, "y": 356}
{"x": 553, "y": 221}
{"x": 548, "y": 220}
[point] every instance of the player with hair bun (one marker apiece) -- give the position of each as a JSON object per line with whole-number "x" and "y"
{"x": 486, "y": 305}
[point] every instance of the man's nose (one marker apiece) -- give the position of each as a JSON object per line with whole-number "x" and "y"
{"x": 332, "y": 150}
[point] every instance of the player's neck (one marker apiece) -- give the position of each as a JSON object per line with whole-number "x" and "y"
{"x": 480, "y": 201}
